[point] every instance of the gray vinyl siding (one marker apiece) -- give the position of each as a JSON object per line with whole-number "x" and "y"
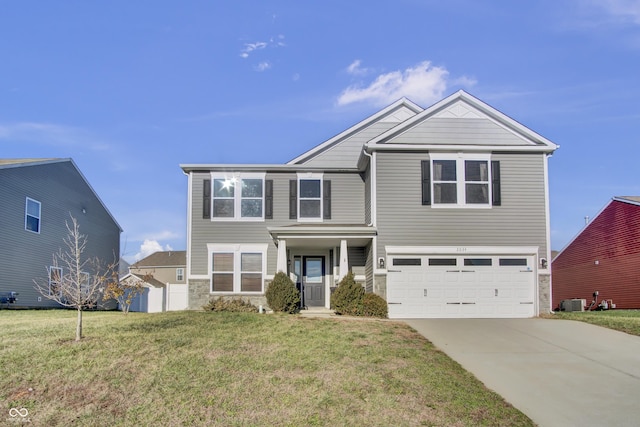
{"x": 404, "y": 221}
{"x": 458, "y": 131}
{"x": 367, "y": 196}
{"x": 347, "y": 207}
{"x": 24, "y": 255}
{"x": 346, "y": 153}
{"x": 368, "y": 268}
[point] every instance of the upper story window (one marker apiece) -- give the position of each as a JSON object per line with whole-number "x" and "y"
{"x": 32, "y": 215}
{"x": 238, "y": 197}
{"x": 179, "y": 274}
{"x": 461, "y": 180}
{"x": 310, "y": 198}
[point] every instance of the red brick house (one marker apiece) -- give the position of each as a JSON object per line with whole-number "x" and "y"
{"x": 603, "y": 257}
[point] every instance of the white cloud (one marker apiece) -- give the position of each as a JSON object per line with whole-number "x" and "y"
{"x": 423, "y": 84}
{"x": 274, "y": 42}
{"x": 149, "y": 247}
{"x": 624, "y": 10}
{"x": 263, "y": 66}
{"x": 355, "y": 69}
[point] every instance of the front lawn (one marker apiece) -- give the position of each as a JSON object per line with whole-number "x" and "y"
{"x": 205, "y": 368}
{"x": 621, "y": 320}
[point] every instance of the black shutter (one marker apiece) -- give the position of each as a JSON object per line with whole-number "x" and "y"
{"x": 268, "y": 199}
{"x": 326, "y": 199}
{"x": 496, "y": 197}
{"x": 206, "y": 199}
{"x": 293, "y": 199}
{"x": 426, "y": 182}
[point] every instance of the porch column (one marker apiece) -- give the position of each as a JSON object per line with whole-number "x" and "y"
{"x": 344, "y": 260}
{"x": 282, "y": 256}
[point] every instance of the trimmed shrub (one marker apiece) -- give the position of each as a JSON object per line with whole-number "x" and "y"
{"x": 374, "y": 306}
{"x": 347, "y": 298}
{"x": 282, "y": 294}
{"x": 235, "y": 305}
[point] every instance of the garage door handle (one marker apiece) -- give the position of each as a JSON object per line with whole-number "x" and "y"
{"x": 529, "y": 302}
{"x": 468, "y": 271}
{"x": 453, "y": 271}
{"x": 394, "y": 271}
{"x": 526, "y": 271}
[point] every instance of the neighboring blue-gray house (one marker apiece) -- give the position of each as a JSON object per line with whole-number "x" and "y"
{"x": 37, "y": 198}
{"x": 442, "y": 211}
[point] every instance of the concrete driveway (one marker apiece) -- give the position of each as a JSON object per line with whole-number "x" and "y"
{"x": 557, "y": 372}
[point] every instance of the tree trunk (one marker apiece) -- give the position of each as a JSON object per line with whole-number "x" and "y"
{"x": 79, "y": 325}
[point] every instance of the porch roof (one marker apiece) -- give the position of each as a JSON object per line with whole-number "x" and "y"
{"x": 324, "y": 234}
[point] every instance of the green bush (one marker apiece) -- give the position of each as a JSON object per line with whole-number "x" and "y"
{"x": 282, "y": 294}
{"x": 347, "y": 298}
{"x": 235, "y": 305}
{"x": 374, "y": 306}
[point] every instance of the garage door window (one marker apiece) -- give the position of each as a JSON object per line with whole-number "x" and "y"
{"x": 442, "y": 261}
{"x": 513, "y": 262}
{"x": 477, "y": 261}
{"x": 407, "y": 261}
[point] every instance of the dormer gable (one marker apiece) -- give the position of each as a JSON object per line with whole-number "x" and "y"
{"x": 462, "y": 121}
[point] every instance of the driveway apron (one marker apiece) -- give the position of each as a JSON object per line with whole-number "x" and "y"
{"x": 557, "y": 372}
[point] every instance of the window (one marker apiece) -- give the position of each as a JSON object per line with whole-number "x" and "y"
{"x": 513, "y": 262}
{"x": 237, "y": 268}
{"x": 407, "y": 261}
{"x": 460, "y": 180}
{"x": 55, "y": 280}
{"x": 32, "y": 216}
{"x": 238, "y": 197}
{"x": 443, "y": 262}
{"x": 179, "y": 274}
{"x": 477, "y": 261}
{"x": 310, "y": 198}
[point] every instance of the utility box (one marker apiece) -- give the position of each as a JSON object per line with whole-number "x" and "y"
{"x": 575, "y": 304}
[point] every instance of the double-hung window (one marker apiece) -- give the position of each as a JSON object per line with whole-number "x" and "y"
{"x": 460, "y": 180}
{"x": 179, "y": 274}
{"x": 238, "y": 197}
{"x": 32, "y": 215}
{"x": 237, "y": 268}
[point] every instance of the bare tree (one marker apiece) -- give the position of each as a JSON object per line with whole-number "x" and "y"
{"x": 75, "y": 280}
{"x": 124, "y": 291}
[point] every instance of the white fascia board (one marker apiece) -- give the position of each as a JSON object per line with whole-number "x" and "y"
{"x": 189, "y": 221}
{"x": 357, "y": 127}
{"x": 448, "y": 148}
{"x": 461, "y": 250}
{"x": 623, "y": 200}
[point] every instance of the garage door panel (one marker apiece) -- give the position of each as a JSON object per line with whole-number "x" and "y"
{"x": 489, "y": 289}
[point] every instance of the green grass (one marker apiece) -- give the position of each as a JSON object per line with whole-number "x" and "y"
{"x": 621, "y": 320}
{"x": 204, "y": 368}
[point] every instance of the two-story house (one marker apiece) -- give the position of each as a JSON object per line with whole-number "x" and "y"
{"x": 443, "y": 211}
{"x": 37, "y": 199}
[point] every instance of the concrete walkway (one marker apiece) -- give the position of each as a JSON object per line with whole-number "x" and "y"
{"x": 557, "y": 372}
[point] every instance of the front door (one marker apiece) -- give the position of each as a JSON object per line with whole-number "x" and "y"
{"x": 313, "y": 280}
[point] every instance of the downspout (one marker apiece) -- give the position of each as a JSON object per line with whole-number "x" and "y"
{"x": 548, "y": 227}
{"x": 373, "y": 215}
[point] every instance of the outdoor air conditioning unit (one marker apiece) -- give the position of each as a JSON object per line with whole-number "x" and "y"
{"x": 574, "y": 304}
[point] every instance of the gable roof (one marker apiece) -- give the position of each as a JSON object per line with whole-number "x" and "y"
{"x": 163, "y": 259}
{"x": 463, "y": 105}
{"x": 23, "y": 163}
{"x": 632, "y": 200}
{"x": 139, "y": 277}
{"x": 395, "y": 113}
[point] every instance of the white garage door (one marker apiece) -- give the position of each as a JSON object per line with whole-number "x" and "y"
{"x": 472, "y": 286}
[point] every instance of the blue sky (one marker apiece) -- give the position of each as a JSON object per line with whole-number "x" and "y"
{"x": 132, "y": 89}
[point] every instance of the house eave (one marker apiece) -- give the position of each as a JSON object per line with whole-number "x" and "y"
{"x": 370, "y": 148}
{"x": 188, "y": 168}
